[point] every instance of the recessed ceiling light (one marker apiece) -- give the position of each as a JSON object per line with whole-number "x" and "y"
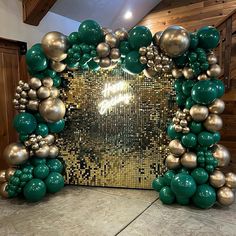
{"x": 128, "y": 15}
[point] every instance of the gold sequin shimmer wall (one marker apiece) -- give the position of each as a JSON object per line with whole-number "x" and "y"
{"x": 115, "y": 129}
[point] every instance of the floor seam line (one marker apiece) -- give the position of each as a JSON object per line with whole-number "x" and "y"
{"x": 136, "y": 217}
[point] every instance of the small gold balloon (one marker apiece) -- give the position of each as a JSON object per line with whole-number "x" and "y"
{"x": 121, "y": 34}
{"x": 53, "y": 152}
{"x": 58, "y": 66}
{"x": 150, "y": 73}
{"x": 199, "y": 113}
{"x": 222, "y": 154}
{"x": 177, "y": 73}
{"x": 35, "y": 83}
{"x": 217, "y": 107}
{"x": 47, "y": 82}
{"x": 54, "y": 92}
{"x": 10, "y": 172}
{"x": 188, "y": 73}
{"x": 115, "y": 54}
{"x": 225, "y": 196}
{"x": 217, "y": 179}
{"x": 52, "y": 109}
{"x": 143, "y": 60}
{"x": 3, "y": 190}
{"x": 33, "y": 105}
{"x": 105, "y": 62}
{"x": 112, "y": 40}
{"x": 212, "y": 59}
{"x": 176, "y": 147}
{"x": 50, "y": 139}
{"x": 189, "y": 160}
{"x": 43, "y": 92}
{"x": 213, "y": 123}
{"x": 156, "y": 38}
{"x": 178, "y": 128}
{"x": 230, "y": 180}
{"x": 43, "y": 151}
{"x": 202, "y": 77}
{"x": 23, "y": 94}
{"x": 32, "y": 94}
{"x": 2, "y": 176}
{"x": 142, "y": 51}
{"x": 172, "y": 162}
{"x": 103, "y": 49}
{"x": 214, "y": 70}
{"x": 106, "y": 30}
{"x": 15, "y": 154}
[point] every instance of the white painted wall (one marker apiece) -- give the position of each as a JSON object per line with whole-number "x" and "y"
{"x": 12, "y": 26}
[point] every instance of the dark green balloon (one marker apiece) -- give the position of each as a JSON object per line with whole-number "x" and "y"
{"x": 168, "y": 176}
{"x": 39, "y": 118}
{"x": 193, "y": 40}
{"x": 85, "y": 48}
{"x": 208, "y": 37}
{"x": 42, "y": 129}
{"x": 178, "y": 84}
{"x": 204, "y": 92}
{"x": 182, "y": 60}
{"x": 56, "y": 81}
{"x": 189, "y": 103}
{"x": 195, "y": 127}
{"x": 93, "y": 65}
{"x": 139, "y": 36}
{"x": 183, "y": 185}
{"x": 180, "y": 99}
{"x": 54, "y": 182}
{"x": 49, "y": 73}
{"x": 200, "y": 175}
{"x": 23, "y": 137}
{"x": 216, "y": 137}
{"x": 34, "y": 190}
{"x": 172, "y": 133}
{"x": 41, "y": 171}
{"x": 36, "y": 60}
{"x": 204, "y": 66}
{"x": 205, "y": 196}
{"x": 37, "y": 47}
{"x": 183, "y": 171}
{"x": 192, "y": 56}
{"x": 158, "y": 183}
{"x": 205, "y": 139}
{"x": 166, "y": 195}
{"x": 90, "y": 32}
{"x": 25, "y": 123}
{"x": 73, "y": 38}
{"x": 37, "y": 161}
{"x": 219, "y": 86}
{"x": 132, "y": 63}
{"x": 187, "y": 87}
{"x": 55, "y": 165}
{"x": 124, "y": 48}
{"x": 56, "y": 127}
{"x": 189, "y": 140}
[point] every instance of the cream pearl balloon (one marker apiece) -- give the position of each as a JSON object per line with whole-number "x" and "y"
{"x": 213, "y": 123}
{"x": 217, "y": 107}
{"x": 172, "y": 162}
{"x": 176, "y": 147}
{"x": 199, "y": 113}
{"x": 225, "y": 196}
{"x": 230, "y": 180}
{"x": 222, "y": 154}
{"x": 217, "y": 179}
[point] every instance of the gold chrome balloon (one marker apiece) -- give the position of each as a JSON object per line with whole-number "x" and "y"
{"x": 189, "y": 160}
{"x": 222, "y": 154}
{"x": 172, "y": 162}
{"x": 43, "y": 151}
{"x": 156, "y": 38}
{"x": 47, "y": 82}
{"x": 52, "y": 109}
{"x": 10, "y": 172}
{"x": 114, "y": 54}
{"x": 230, "y": 180}
{"x": 32, "y": 94}
{"x": 53, "y": 151}
{"x": 2, "y": 176}
{"x": 177, "y": 73}
{"x": 121, "y": 34}
{"x": 55, "y": 45}
{"x": 33, "y": 105}
{"x": 213, "y": 123}
{"x": 225, "y": 196}
{"x": 199, "y": 113}
{"x": 54, "y": 92}
{"x": 214, "y": 71}
{"x": 217, "y": 107}
{"x": 212, "y": 59}
{"x": 112, "y": 40}
{"x": 50, "y": 139}
{"x": 105, "y": 62}
{"x": 106, "y": 30}
{"x": 43, "y": 92}
{"x": 58, "y": 66}
{"x": 3, "y": 190}
{"x": 150, "y": 73}
{"x": 188, "y": 73}
{"x": 176, "y": 147}
{"x": 202, "y": 77}
{"x": 103, "y": 50}
{"x": 15, "y": 154}
{"x": 174, "y": 41}
{"x": 217, "y": 179}
{"x": 35, "y": 83}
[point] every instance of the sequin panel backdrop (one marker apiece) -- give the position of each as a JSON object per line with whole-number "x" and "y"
{"x": 115, "y": 129}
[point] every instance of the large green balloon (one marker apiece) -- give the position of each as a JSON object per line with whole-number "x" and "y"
{"x": 209, "y": 37}
{"x": 36, "y": 60}
{"x": 24, "y": 123}
{"x": 55, "y": 165}
{"x": 219, "y": 86}
{"x": 158, "y": 183}
{"x": 178, "y": 84}
{"x": 90, "y": 32}
{"x": 54, "y": 182}
{"x": 187, "y": 87}
{"x": 172, "y": 133}
{"x": 204, "y": 92}
{"x": 193, "y": 40}
{"x": 189, "y": 140}
{"x": 132, "y": 63}
{"x": 42, "y": 129}
{"x": 205, "y": 196}
{"x": 195, "y": 127}
{"x": 56, "y": 127}
{"x": 200, "y": 175}
{"x": 166, "y": 195}
{"x": 73, "y": 38}
{"x": 41, "y": 171}
{"x": 124, "y": 48}
{"x": 34, "y": 190}
{"x": 205, "y": 139}
{"x": 183, "y": 185}
{"x": 140, "y": 36}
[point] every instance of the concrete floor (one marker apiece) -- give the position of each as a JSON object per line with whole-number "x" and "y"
{"x": 108, "y": 211}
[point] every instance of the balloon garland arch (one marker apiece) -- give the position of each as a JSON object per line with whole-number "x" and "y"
{"x": 195, "y": 157}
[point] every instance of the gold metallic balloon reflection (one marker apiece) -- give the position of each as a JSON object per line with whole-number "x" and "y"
{"x": 230, "y": 180}
{"x": 199, "y": 113}
{"x": 2, "y": 176}
{"x": 217, "y": 107}
{"x": 213, "y": 123}
{"x": 189, "y": 160}
{"x": 176, "y": 147}
{"x": 222, "y": 154}
{"x": 10, "y": 172}
{"x": 3, "y": 191}
{"x": 217, "y": 179}
{"x": 58, "y": 66}
{"x": 225, "y": 196}
{"x": 172, "y": 162}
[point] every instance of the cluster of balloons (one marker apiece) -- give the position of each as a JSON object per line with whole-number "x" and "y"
{"x": 195, "y": 157}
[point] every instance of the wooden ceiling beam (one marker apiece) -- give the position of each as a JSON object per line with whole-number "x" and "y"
{"x": 35, "y": 10}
